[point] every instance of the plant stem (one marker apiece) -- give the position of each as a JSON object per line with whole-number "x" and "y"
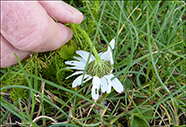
{"x": 98, "y": 59}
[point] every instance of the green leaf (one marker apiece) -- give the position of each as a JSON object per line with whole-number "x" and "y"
{"x": 138, "y": 122}
{"x": 128, "y": 84}
{"x": 67, "y": 51}
{"x": 146, "y": 114}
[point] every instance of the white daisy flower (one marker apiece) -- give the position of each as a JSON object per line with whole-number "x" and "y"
{"x": 100, "y": 71}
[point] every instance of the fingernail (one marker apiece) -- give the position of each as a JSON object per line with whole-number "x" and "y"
{"x": 71, "y": 9}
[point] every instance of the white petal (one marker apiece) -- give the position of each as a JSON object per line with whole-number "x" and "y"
{"x": 108, "y": 78}
{"x": 78, "y": 80}
{"x": 95, "y": 94}
{"x": 80, "y": 59}
{"x": 100, "y": 54}
{"x": 104, "y": 84}
{"x": 75, "y": 73}
{"x": 85, "y": 55}
{"x": 95, "y": 88}
{"x": 75, "y": 68}
{"x": 87, "y": 78}
{"x": 107, "y": 56}
{"x": 117, "y": 85}
{"x": 109, "y": 87}
{"x": 76, "y": 63}
{"x": 112, "y": 44}
{"x": 96, "y": 82}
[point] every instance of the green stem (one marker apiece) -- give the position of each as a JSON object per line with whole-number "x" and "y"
{"x": 103, "y": 98}
{"x": 89, "y": 41}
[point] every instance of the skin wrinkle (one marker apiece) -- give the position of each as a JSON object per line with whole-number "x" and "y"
{"x": 35, "y": 36}
{"x": 14, "y": 30}
{"x": 27, "y": 46}
{"x": 9, "y": 53}
{"x": 7, "y": 17}
{"x": 20, "y": 44}
{"x": 40, "y": 39}
{"x": 32, "y": 45}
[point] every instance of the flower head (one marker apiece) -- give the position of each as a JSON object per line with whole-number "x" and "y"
{"x": 99, "y": 70}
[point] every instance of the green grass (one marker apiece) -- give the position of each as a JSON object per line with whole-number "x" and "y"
{"x": 150, "y": 61}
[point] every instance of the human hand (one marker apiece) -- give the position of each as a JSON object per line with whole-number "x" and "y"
{"x": 27, "y": 26}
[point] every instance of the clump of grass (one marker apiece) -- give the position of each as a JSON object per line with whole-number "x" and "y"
{"x": 149, "y": 61}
